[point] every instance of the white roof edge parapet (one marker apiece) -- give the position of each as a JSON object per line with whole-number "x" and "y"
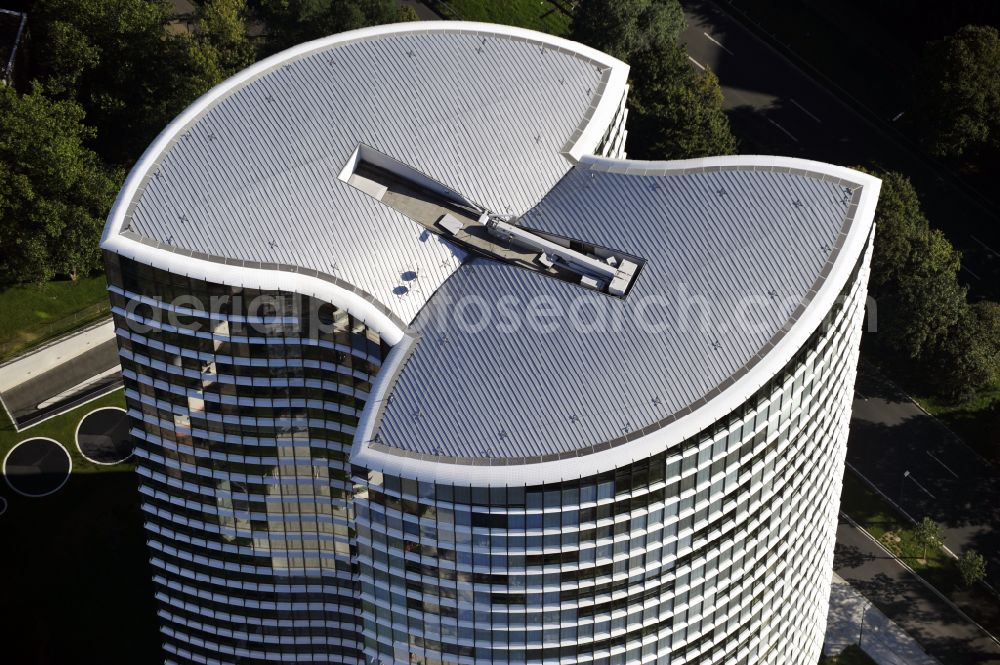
{"x": 607, "y": 105}
{"x": 258, "y": 278}
{"x": 733, "y": 396}
{"x": 237, "y": 275}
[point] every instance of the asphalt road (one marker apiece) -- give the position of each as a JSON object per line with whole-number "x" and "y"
{"x": 776, "y": 108}
{"x": 947, "y": 480}
{"x": 22, "y": 401}
{"x": 942, "y": 632}
{"x": 424, "y": 13}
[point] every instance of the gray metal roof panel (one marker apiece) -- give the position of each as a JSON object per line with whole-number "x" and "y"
{"x": 748, "y": 257}
{"x": 254, "y": 177}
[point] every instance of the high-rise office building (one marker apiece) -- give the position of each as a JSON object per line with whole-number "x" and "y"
{"x": 421, "y": 369}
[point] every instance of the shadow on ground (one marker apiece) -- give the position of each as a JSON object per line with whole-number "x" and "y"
{"x": 75, "y": 578}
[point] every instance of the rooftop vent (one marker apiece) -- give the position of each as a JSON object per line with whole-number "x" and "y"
{"x": 446, "y": 213}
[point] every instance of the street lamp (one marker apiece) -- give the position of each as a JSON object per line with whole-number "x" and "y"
{"x": 861, "y": 631}
{"x": 902, "y": 481}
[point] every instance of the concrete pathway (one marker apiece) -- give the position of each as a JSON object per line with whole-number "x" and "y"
{"x": 853, "y": 617}
{"x": 60, "y": 375}
{"x": 53, "y": 354}
{"x": 937, "y": 626}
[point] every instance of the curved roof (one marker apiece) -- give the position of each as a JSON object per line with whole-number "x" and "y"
{"x": 499, "y": 374}
{"x": 510, "y": 376}
{"x": 248, "y": 174}
{"x": 731, "y": 254}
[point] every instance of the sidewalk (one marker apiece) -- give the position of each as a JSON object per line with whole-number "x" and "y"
{"x": 59, "y": 375}
{"x": 935, "y": 624}
{"x": 884, "y": 641}
{"x": 38, "y": 361}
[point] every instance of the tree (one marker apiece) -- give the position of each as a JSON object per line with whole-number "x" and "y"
{"x": 972, "y": 567}
{"x": 914, "y": 274}
{"x": 113, "y": 58}
{"x": 898, "y": 220}
{"x": 291, "y": 22}
{"x": 222, "y": 25}
{"x": 927, "y": 533}
{"x": 407, "y": 14}
{"x": 922, "y": 308}
{"x": 958, "y": 92}
{"x": 677, "y": 112}
{"x": 624, "y": 28}
{"x": 68, "y": 55}
{"x": 968, "y": 359}
{"x": 916, "y": 318}
{"x": 217, "y": 48}
{"x": 679, "y": 115}
{"x": 54, "y": 192}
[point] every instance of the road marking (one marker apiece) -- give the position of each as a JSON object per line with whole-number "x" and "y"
{"x": 790, "y": 135}
{"x": 984, "y": 245}
{"x": 926, "y": 491}
{"x": 898, "y": 116}
{"x": 969, "y": 270}
{"x": 927, "y": 584}
{"x": 933, "y": 457}
{"x": 718, "y": 43}
{"x": 875, "y": 488}
{"x": 803, "y": 109}
{"x": 78, "y": 388}
{"x": 698, "y": 64}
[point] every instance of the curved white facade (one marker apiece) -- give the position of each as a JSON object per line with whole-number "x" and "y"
{"x": 328, "y": 477}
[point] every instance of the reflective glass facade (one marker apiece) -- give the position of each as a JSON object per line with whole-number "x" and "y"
{"x": 243, "y": 422}
{"x": 267, "y": 545}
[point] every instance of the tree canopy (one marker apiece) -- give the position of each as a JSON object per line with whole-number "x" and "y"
{"x": 624, "y": 28}
{"x": 972, "y": 567}
{"x": 678, "y": 114}
{"x": 676, "y": 111}
{"x": 958, "y": 92}
{"x": 54, "y": 192}
{"x": 923, "y": 315}
{"x": 914, "y": 274}
{"x": 969, "y": 358}
{"x": 927, "y": 533}
{"x": 115, "y": 58}
{"x": 291, "y": 22}
{"x": 217, "y": 48}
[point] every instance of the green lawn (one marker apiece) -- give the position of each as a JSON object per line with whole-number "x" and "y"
{"x": 77, "y": 585}
{"x": 852, "y": 655}
{"x": 895, "y": 532}
{"x": 35, "y": 312}
{"x": 62, "y": 428}
{"x": 534, "y": 14}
